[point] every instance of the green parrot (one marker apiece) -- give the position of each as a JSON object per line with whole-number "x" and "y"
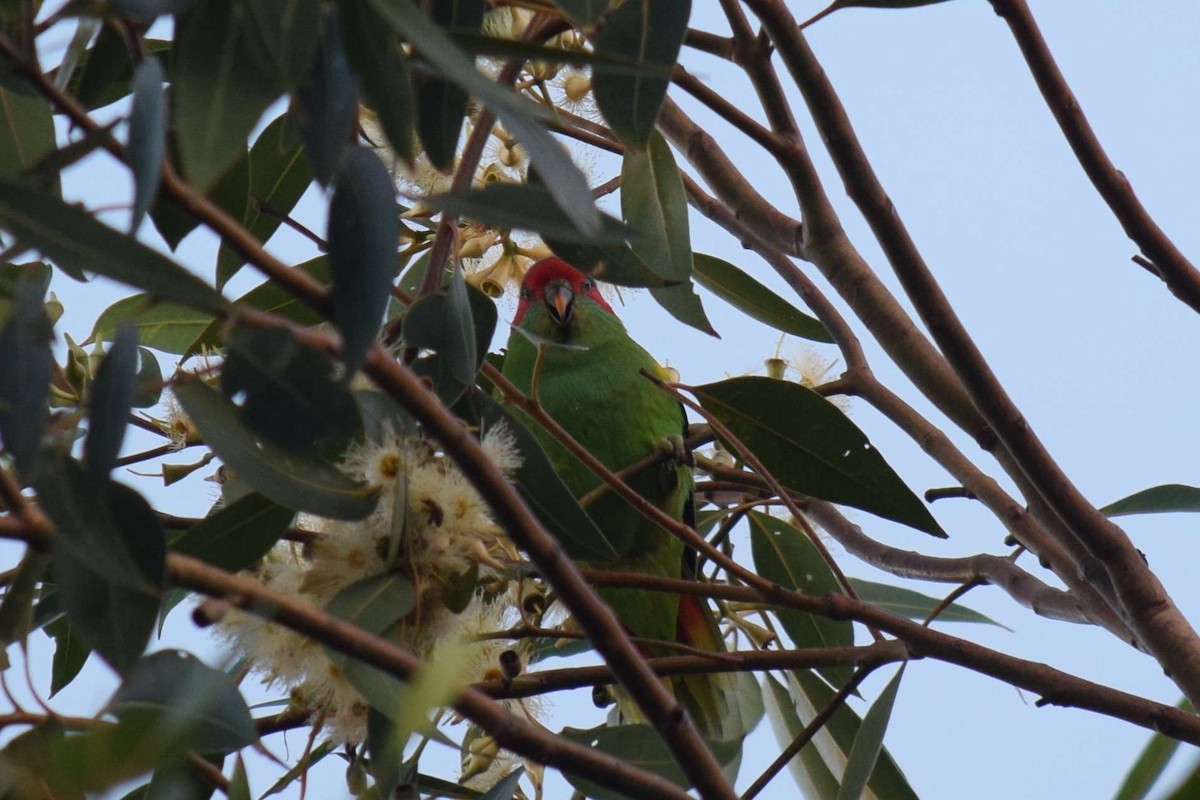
{"x": 594, "y": 389}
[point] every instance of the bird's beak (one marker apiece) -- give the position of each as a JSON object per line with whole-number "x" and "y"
{"x": 560, "y": 299}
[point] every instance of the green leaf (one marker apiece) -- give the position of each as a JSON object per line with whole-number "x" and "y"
{"x": 147, "y": 136}
{"x": 506, "y": 788}
{"x": 809, "y": 770}
{"x": 755, "y": 300}
{"x": 460, "y": 349}
{"x": 1189, "y": 787}
{"x": 221, "y": 85}
{"x": 785, "y": 556}
{"x": 378, "y": 58}
{"x": 1163, "y": 499}
{"x": 16, "y": 609}
{"x": 527, "y": 206}
{"x": 188, "y": 701}
{"x": 305, "y": 484}
{"x": 231, "y": 193}
{"x": 868, "y": 744}
{"x": 70, "y": 654}
{"x": 376, "y": 603}
{"x": 279, "y": 176}
{"x": 239, "y": 783}
{"x": 26, "y": 367}
{"x": 544, "y": 490}
{"x": 653, "y": 201}
{"x": 585, "y": 13}
{"x": 148, "y": 387}
{"x": 1150, "y": 764}
{"x": 169, "y": 327}
{"x": 641, "y": 746}
{"x": 238, "y": 535}
{"x": 328, "y": 103}
{"x": 436, "y": 323}
{"x": 26, "y": 134}
{"x": 521, "y": 118}
{"x": 441, "y": 104}
{"x": 289, "y": 394}
{"x": 363, "y": 235}
{"x": 109, "y": 561}
{"x": 682, "y": 303}
{"x": 810, "y": 446}
{"x": 612, "y": 263}
{"x": 110, "y": 402}
{"x": 290, "y": 31}
{"x": 76, "y": 240}
{"x": 386, "y": 749}
{"x": 301, "y": 768}
{"x": 914, "y": 605}
{"x": 649, "y": 33}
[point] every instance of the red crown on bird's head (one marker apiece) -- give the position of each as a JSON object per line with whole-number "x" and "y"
{"x": 533, "y": 287}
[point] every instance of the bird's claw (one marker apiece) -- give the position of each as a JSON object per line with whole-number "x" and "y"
{"x": 676, "y": 450}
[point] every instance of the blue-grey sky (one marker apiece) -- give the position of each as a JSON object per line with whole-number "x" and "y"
{"x": 1096, "y": 352}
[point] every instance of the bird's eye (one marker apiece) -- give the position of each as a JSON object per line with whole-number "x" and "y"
{"x": 588, "y": 284}
{"x": 526, "y": 293}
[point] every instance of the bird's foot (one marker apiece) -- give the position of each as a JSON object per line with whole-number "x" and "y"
{"x": 676, "y": 450}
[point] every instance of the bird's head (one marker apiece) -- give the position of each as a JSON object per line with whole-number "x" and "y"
{"x": 557, "y": 284}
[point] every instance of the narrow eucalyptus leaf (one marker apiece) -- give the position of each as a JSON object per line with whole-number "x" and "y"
{"x": 869, "y": 742}
{"x": 169, "y": 327}
{"x": 290, "y": 31}
{"x": 26, "y": 136}
{"x": 238, "y": 535}
{"x": 528, "y": 206}
{"x": 682, "y": 303}
{"x": 26, "y": 367}
{"x": 110, "y": 402}
{"x": 1168, "y": 498}
{"x": 377, "y": 57}
{"x": 147, "y": 136}
{"x": 753, "y": 299}
{"x": 653, "y": 200}
{"x": 328, "y": 103}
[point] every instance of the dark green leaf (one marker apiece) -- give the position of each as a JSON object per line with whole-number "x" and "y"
{"x": 38, "y": 273}
{"x": 460, "y": 350}
{"x": 301, "y": 768}
{"x": 386, "y": 749}
{"x": 812, "y": 775}
{"x": 239, "y": 783}
{"x": 149, "y": 384}
{"x": 363, "y": 234}
{"x": 231, "y": 193}
{"x": 328, "y": 104}
{"x": 544, "y": 490}
{"x": 26, "y": 367}
{"x": 785, "y": 556}
{"x": 169, "y": 327}
{"x": 528, "y": 206}
{"x": 585, "y": 13}
{"x": 377, "y": 57}
{"x": 305, "y": 484}
{"x": 650, "y": 33}
{"x": 189, "y": 702}
{"x": 238, "y": 535}
{"x": 641, "y": 746}
{"x": 16, "y": 610}
{"x": 221, "y": 84}
{"x": 442, "y": 104}
{"x": 914, "y": 605}
{"x": 431, "y": 325}
{"x": 755, "y": 300}
{"x": 110, "y": 402}
{"x": 520, "y": 117}
{"x": 682, "y": 303}
{"x": 376, "y": 603}
{"x": 1189, "y": 787}
{"x": 1150, "y": 764}
{"x": 289, "y": 394}
{"x": 105, "y": 70}
{"x": 868, "y": 744}
{"x": 279, "y": 176}
{"x": 653, "y": 202}
{"x": 612, "y": 263}
{"x": 146, "y": 11}
{"x": 382, "y": 416}
{"x": 812, "y": 447}
{"x": 70, "y": 654}
{"x": 506, "y": 788}
{"x": 26, "y": 134}
{"x": 290, "y": 30}
{"x": 1163, "y": 499}
{"x": 147, "y": 136}
{"x": 109, "y": 560}
{"x": 76, "y": 240}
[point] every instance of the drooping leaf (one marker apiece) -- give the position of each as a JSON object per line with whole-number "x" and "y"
{"x": 16, "y": 609}
{"x": 109, "y": 560}
{"x": 76, "y": 240}
{"x": 1170, "y": 497}
{"x": 649, "y": 33}
{"x": 654, "y": 203}
{"x": 26, "y": 135}
{"x": 1150, "y": 764}
{"x": 527, "y": 206}
{"x": 612, "y": 263}
{"x": 386, "y": 749}
{"x": 460, "y": 344}
{"x": 188, "y": 701}
{"x": 148, "y": 383}
{"x": 808, "y": 769}
{"x": 147, "y": 136}
{"x": 279, "y": 176}
{"x": 289, "y": 394}
{"x": 520, "y": 117}
{"x": 640, "y": 746}
{"x": 363, "y": 232}
{"x": 914, "y": 605}
{"x": 290, "y": 31}
{"x": 110, "y": 402}
{"x": 810, "y": 446}
{"x": 221, "y": 84}
{"x": 436, "y": 323}
{"x": 542, "y": 488}
{"x": 868, "y": 743}
{"x": 682, "y": 303}
{"x": 328, "y": 103}
{"x": 26, "y": 367}
{"x": 230, "y": 193}
{"x": 169, "y": 327}
{"x": 238, "y": 535}
{"x": 305, "y": 484}
{"x": 755, "y": 300}
{"x": 70, "y": 654}
{"x": 382, "y": 68}
{"x": 785, "y": 556}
